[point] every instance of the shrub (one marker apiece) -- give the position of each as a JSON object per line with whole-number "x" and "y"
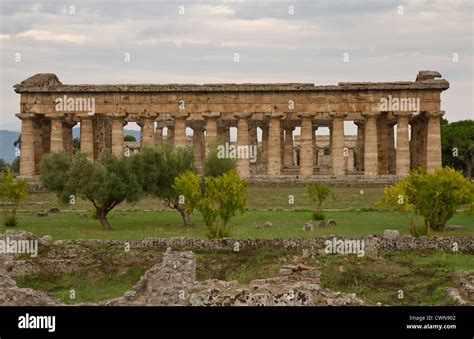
{"x": 318, "y": 193}
{"x": 11, "y": 220}
{"x": 15, "y": 190}
{"x": 318, "y": 215}
{"x": 435, "y": 196}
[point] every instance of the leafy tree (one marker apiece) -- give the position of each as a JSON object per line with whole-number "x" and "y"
{"x": 15, "y": 165}
{"x": 457, "y": 143}
{"x": 105, "y": 183}
{"x": 318, "y": 193}
{"x": 434, "y": 196}
{"x": 3, "y": 165}
{"x": 129, "y": 137}
{"x": 216, "y": 198}
{"x": 215, "y": 166}
{"x": 188, "y": 185}
{"x": 160, "y": 167}
{"x": 15, "y": 190}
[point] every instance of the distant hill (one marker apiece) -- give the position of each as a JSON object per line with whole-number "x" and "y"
{"x": 7, "y": 150}
{"x": 7, "y": 138}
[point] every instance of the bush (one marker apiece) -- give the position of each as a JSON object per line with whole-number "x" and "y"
{"x": 435, "y": 196}
{"x": 15, "y": 190}
{"x": 417, "y": 230}
{"x": 318, "y": 193}
{"x": 318, "y": 215}
{"x": 10, "y": 220}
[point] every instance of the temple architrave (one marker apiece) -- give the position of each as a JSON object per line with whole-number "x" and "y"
{"x": 398, "y": 123}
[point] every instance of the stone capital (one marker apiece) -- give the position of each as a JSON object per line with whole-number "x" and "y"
{"x": 370, "y": 115}
{"x": 434, "y": 113}
{"x": 338, "y": 115}
{"x": 243, "y": 115}
{"x": 180, "y": 116}
{"x": 211, "y": 115}
{"x": 274, "y": 115}
{"x": 25, "y": 116}
{"x": 402, "y": 114}
{"x": 306, "y": 115}
{"x": 359, "y": 122}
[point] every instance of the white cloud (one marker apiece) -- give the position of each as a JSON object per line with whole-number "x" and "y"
{"x": 49, "y": 36}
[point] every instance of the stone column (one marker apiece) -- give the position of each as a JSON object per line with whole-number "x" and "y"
{"x": 253, "y": 143}
{"x": 288, "y": 148}
{"x": 306, "y": 146}
{"x": 117, "y": 136}
{"x": 147, "y": 131}
{"x": 158, "y": 135}
{"x": 264, "y": 158}
{"x": 383, "y": 143}
{"x": 350, "y": 160}
{"x": 433, "y": 143}
{"x": 274, "y": 145}
{"x": 180, "y": 131}
{"x": 370, "y": 144}
{"x": 402, "y": 150}
{"x": 197, "y": 146}
{"x": 170, "y": 135}
{"x": 27, "y": 152}
{"x": 360, "y": 144}
{"x": 57, "y": 143}
{"x": 87, "y": 137}
{"x": 337, "y": 143}
{"x": 315, "y": 146}
{"x": 243, "y": 165}
{"x": 392, "y": 161}
{"x": 211, "y": 130}
{"x": 67, "y": 137}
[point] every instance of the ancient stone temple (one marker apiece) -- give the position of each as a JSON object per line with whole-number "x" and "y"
{"x": 398, "y": 123}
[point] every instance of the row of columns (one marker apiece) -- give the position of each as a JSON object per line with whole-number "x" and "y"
{"x": 374, "y": 140}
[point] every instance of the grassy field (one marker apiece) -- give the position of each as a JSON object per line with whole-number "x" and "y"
{"x": 353, "y": 208}
{"x": 258, "y": 198}
{"x": 129, "y": 225}
{"x": 423, "y": 277}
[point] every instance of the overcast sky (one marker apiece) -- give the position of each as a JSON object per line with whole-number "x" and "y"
{"x": 199, "y": 46}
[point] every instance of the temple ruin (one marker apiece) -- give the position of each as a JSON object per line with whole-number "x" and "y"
{"x": 398, "y": 123}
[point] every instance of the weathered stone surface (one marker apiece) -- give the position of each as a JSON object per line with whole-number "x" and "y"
{"x": 11, "y": 295}
{"x": 41, "y": 214}
{"x": 308, "y": 226}
{"x": 391, "y": 234}
{"x": 173, "y": 283}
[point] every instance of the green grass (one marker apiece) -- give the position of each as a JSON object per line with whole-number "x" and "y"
{"x": 286, "y": 224}
{"x": 106, "y": 284}
{"x": 135, "y": 225}
{"x": 258, "y": 198}
{"x": 243, "y": 266}
{"x": 422, "y": 276}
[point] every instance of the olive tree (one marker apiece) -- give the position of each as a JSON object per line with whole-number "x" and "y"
{"x": 160, "y": 167}
{"x": 105, "y": 183}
